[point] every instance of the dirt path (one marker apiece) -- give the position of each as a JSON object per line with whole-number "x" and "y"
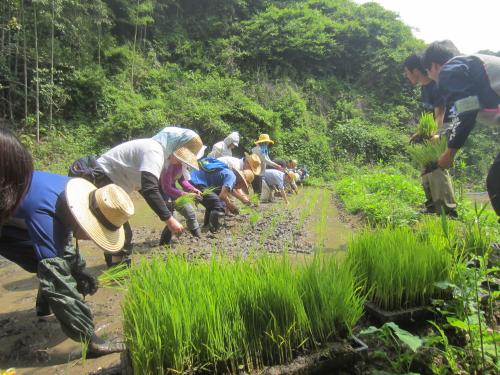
{"x": 33, "y": 346}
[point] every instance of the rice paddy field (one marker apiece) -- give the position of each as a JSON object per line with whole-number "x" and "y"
{"x": 277, "y": 284}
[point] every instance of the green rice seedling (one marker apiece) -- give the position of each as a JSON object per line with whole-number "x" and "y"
{"x": 399, "y": 267}
{"x": 115, "y": 276}
{"x": 219, "y": 315}
{"x": 208, "y": 190}
{"x": 427, "y": 126}
{"x": 425, "y": 156}
{"x": 184, "y": 200}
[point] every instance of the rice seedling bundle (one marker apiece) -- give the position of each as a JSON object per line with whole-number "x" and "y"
{"x": 399, "y": 266}
{"x": 427, "y": 126}
{"x": 221, "y": 314}
{"x": 424, "y": 156}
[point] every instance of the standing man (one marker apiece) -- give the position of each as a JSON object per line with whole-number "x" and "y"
{"x": 437, "y": 184}
{"x": 225, "y": 147}
{"x": 471, "y": 84}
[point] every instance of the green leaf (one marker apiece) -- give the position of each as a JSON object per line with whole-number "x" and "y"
{"x": 457, "y": 323}
{"x": 412, "y": 341}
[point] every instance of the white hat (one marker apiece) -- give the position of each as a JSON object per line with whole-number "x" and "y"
{"x": 101, "y": 212}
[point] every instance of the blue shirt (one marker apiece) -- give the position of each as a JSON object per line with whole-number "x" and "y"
{"x": 274, "y": 177}
{"x": 219, "y": 179}
{"x": 460, "y": 78}
{"x": 38, "y": 210}
{"x": 431, "y": 98}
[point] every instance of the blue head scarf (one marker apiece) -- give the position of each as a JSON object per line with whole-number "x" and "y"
{"x": 171, "y": 138}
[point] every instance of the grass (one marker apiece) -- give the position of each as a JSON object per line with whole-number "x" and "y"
{"x": 427, "y": 126}
{"x": 382, "y": 197}
{"x": 221, "y": 315}
{"x": 424, "y": 156}
{"x": 400, "y": 266}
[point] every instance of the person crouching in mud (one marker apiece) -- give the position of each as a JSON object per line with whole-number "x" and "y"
{"x": 38, "y": 238}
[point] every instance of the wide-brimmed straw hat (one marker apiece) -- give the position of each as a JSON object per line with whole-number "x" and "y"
{"x": 244, "y": 177}
{"x": 264, "y": 138}
{"x": 254, "y": 162}
{"x": 101, "y": 212}
{"x": 188, "y": 152}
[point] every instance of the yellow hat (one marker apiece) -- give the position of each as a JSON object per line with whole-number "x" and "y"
{"x": 101, "y": 212}
{"x": 254, "y": 162}
{"x": 264, "y": 138}
{"x": 188, "y": 152}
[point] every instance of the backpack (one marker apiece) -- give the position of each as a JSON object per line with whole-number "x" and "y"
{"x": 86, "y": 168}
{"x": 211, "y": 165}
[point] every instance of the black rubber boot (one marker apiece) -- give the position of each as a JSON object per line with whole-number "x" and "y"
{"x": 215, "y": 220}
{"x": 166, "y": 237}
{"x": 196, "y": 232}
{"x": 117, "y": 258}
{"x": 99, "y": 347}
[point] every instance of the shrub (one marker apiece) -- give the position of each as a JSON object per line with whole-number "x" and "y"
{"x": 382, "y": 197}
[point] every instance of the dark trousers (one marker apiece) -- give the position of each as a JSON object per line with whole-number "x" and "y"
{"x": 493, "y": 184}
{"x": 210, "y": 201}
{"x": 257, "y": 184}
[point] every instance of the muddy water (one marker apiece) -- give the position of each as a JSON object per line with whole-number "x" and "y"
{"x": 33, "y": 346}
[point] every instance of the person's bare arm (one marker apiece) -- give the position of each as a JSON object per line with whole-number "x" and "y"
{"x": 439, "y": 116}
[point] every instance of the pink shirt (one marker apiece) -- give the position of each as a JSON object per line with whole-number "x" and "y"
{"x": 168, "y": 178}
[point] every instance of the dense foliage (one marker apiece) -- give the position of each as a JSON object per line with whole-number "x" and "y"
{"x": 321, "y": 76}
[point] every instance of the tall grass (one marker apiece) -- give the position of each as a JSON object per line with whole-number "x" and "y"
{"x": 400, "y": 266}
{"x": 219, "y": 315}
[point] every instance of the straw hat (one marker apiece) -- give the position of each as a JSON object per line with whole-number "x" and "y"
{"x": 264, "y": 138}
{"x": 243, "y": 177}
{"x": 188, "y": 152}
{"x": 253, "y": 161}
{"x": 101, "y": 213}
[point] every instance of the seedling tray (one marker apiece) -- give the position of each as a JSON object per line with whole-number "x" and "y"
{"x": 335, "y": 356}
{"x": 404, "y": 316}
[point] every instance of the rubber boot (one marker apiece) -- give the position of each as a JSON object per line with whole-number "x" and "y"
{"x": 166, "y": 237}
{"x": 99, "y": 347}
{"x": 196, "y": 232}
{"x": 117, "y": 258}
{"x": 215, "y": 220}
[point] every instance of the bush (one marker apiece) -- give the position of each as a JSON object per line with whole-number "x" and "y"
{"x": 382, "y": 197}
{"x": 373, "y": 143}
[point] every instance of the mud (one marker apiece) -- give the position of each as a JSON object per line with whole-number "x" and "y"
{"x": 35, "y": 346}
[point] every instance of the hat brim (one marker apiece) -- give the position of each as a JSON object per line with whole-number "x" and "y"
{"x": 240, "y": 178}
{"x": 264, "y": 141}
{"x": 186, "y": 156}
{"x": 256, "y": 170}
{"x": 77, "y": 197}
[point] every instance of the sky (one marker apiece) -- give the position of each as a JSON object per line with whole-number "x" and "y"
{"x": 472, "y": 25}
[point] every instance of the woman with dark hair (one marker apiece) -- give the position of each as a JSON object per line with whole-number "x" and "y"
{"x": 16, "y": 168}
